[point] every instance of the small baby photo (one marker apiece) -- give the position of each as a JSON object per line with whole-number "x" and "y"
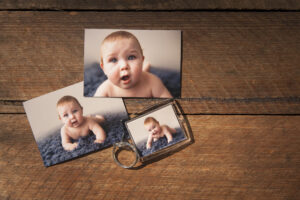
{"x": 66, "y": 125}
{"x": 156, "y": 130}
{"x": 132, "y": 63}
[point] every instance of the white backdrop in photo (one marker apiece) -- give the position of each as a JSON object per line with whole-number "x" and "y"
{"x": 162, "y": 48}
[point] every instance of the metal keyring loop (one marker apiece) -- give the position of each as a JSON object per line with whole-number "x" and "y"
{"x": 121, "y": 145}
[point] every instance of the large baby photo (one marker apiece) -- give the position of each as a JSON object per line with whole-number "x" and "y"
{"x": 156, "y": 130}
{"x": 66, "y": 125}
{"x": 132, "y": 63}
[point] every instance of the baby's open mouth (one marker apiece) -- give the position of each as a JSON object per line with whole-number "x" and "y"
{"x": 74, "y": 122}
{"x": 125, "y": 78}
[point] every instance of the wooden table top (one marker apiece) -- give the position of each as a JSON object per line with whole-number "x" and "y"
{"x": 240, "y": 93}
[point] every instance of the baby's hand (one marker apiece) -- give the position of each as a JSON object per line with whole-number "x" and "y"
{"x": 148, "y": 146}
{"x": 99, "y": 141}
{"x": 70, "y": 146}
{"x": 170, "y": 140}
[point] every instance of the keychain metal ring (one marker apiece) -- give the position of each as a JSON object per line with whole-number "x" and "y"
{"x": 122, "y": 145}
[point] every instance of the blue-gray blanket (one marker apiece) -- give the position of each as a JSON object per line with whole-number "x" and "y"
{"x": 94, "y": 76}
{"x": 161, "y": 143}
{"x": 52, "y": 151}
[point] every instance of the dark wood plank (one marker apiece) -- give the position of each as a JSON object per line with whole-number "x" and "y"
{"x": 233, "y": 157}
{"x": 225, "y": 106}
{"x": 198, "y": 106}
{"x": 12, "y": 107}
{"x": 233, "y": 62}
{"x": 151, "y": 5}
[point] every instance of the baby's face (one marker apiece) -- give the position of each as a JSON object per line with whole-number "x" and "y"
{"x": 70, "y": 114}
{"x": 122, "y": 62}
{"x": 153, "y": 128}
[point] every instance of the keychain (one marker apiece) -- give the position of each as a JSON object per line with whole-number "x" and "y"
{"x": 157, "y": 131}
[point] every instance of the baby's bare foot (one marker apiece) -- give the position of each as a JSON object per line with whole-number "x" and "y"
{"x": 99, "y": 118}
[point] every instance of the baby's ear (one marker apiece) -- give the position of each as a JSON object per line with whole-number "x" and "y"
{"x": 102, "y": 67}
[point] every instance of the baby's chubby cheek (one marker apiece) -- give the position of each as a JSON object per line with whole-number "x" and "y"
{"x": 137, "y": 72}
{"x": 113, "y": 75}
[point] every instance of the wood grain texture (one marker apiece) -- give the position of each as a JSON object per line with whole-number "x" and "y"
{"x": 11, "y": 107}
{"x": 233, "y": 157}
{"x": 233, "y": 62}
{"x": 275, "y": 106}
{"x": 225, "y": 106}
{"x": 151, "y": 5}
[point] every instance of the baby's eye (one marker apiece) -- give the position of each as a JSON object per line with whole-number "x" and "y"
{"x": 113, "y": 60}
{"x": 131, "y": 57}
{"x": 74, "y": 111}
{"x": 65, "y": 115}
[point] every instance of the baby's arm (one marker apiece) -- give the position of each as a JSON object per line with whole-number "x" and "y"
{"x": 168, "y": 133}
{"x": 149, "y": 142}
{"x": 97, "y": 130}
{"x": 158, "y": 88}
{"x": 66, "y": 141}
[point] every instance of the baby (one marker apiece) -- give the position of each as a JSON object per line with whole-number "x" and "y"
{"x": 157, "y": 131}
{"x": 122, "y": 61}
{"x": 75, "y": 124}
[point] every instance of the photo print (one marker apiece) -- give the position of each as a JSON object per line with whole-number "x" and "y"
{"x": 156, "y": 130}
{"x": 66, "y": 125}
{"x": 132, "y": 63}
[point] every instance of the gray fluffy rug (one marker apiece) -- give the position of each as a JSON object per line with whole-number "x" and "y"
{"x": 161, "y": 143}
